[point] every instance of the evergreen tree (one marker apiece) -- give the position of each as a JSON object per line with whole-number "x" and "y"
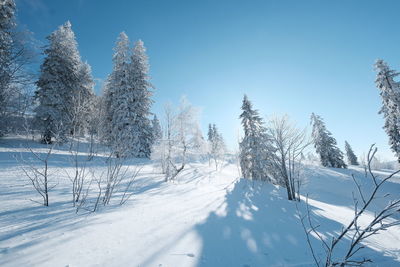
{"x": 351, "y": 157}
{"x": 216, "y": 144}
{"x": 325, "y": 145}
{"x": 139, "y": 80}
{"x": 127, "y": 101}
{"x": 256, "y": 150}
{"x": 7, "y": 24}
{"x": 119, "y": 102}
{"x": 156, "y": 129}
{"x": 390, "y": 94}
{"x": 60, "y": 84}
{"x": 210, "y": 133}
{"x": 83, "y": 101}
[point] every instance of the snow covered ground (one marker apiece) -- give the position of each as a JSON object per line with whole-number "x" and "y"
{"x": 205, "y": 218}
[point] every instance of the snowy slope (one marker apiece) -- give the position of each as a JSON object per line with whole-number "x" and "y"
{"x": 205, "y": 218}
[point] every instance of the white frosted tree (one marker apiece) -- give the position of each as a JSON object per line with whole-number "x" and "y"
{"x": 7, "y": 23}
{"x": 390, "y": 94}
{"x": 290, "y": 143}
{"x": 64, "y": 84}
{"x": 140, "y": 85}
{"x": 351, "y": 157}
{"x": 16, "y": 79}
{"x": 156, "y": 129}
{"x": 256, "y": 150}
{"x": 198, "y": 143}
{"x": 182, "y": 139}
{"x": 83, "y": 101}
{"x": 127, "y": 101}
{"x": 325, "y": 145}
{"x": 119, "y": 102}
{"x": 216, "y": 145}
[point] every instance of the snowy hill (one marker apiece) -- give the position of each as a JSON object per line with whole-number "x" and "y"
{"x": 205, "y": 218}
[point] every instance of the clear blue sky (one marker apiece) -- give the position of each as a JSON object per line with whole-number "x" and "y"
{"x": 293, "y": 57}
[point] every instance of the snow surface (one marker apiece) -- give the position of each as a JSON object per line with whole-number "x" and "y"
{"x": 205, "y": 218}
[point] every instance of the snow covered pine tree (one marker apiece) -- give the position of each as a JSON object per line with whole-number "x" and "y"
{"x": 255, "y": 148}
{"x": 7, "y": 23}
{"x": 119, "y": 118}
{"x": 139, "y": 80}
{"x": 127, "y": 101}
{"x": 351, "y": 157}
{"x": 390, "y": 94}
{"x": 325, "y": 145}
{"x": 63, "y": 80}
{"x": 16, "y": 72}
{"x": 156, "y": 130}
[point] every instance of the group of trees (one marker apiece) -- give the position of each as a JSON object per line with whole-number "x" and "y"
{"x": 183, "y": 140}
{"x": 271, "y": 153}
{"x": 127, "y": 102}
{"x": 64, "y": 104}
{"x": 274, "y": 152}
{"x": 67, "y": 105}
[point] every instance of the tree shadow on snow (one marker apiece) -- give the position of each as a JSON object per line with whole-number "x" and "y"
{"x": 336, "y": 186}
{"x": 259, "y": 227}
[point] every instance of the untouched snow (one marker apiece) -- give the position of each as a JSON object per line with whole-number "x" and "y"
{"x": 205, "y": 218}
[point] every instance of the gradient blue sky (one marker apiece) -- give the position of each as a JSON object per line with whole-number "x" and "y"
{"x": 293, "y": 57}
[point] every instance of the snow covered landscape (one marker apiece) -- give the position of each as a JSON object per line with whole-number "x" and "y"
{"x": 204, "y": 218}
{"x": 261, "y": 134}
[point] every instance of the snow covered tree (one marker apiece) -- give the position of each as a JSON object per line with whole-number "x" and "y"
{"x": 290, "y": 142}
{"x": 7, "y": 23}
{"x": 182, "y": 139}
{"x": 390, "y": 94}
{"x": 139, "y": 80}
{"x": 156, "y": 129}
{"x": 216, "y": 144}
{"x": 256, "y": 150}
{"x": 210, "y": 133}
{"x": 197, "y": 141}
{"x": 105, "y": 101}
{"x": 83, "y": 101}
{"x": 119, "y": 101}
{"x": 325, "y": 145}
{"x": 16, "y": 53}
{"x": 351, "y": 157}
{"x": 127, "y": 101}
{"x": 63, "y": 80}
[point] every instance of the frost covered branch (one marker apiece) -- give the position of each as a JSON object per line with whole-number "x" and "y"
{"x": 354, "y": 231}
